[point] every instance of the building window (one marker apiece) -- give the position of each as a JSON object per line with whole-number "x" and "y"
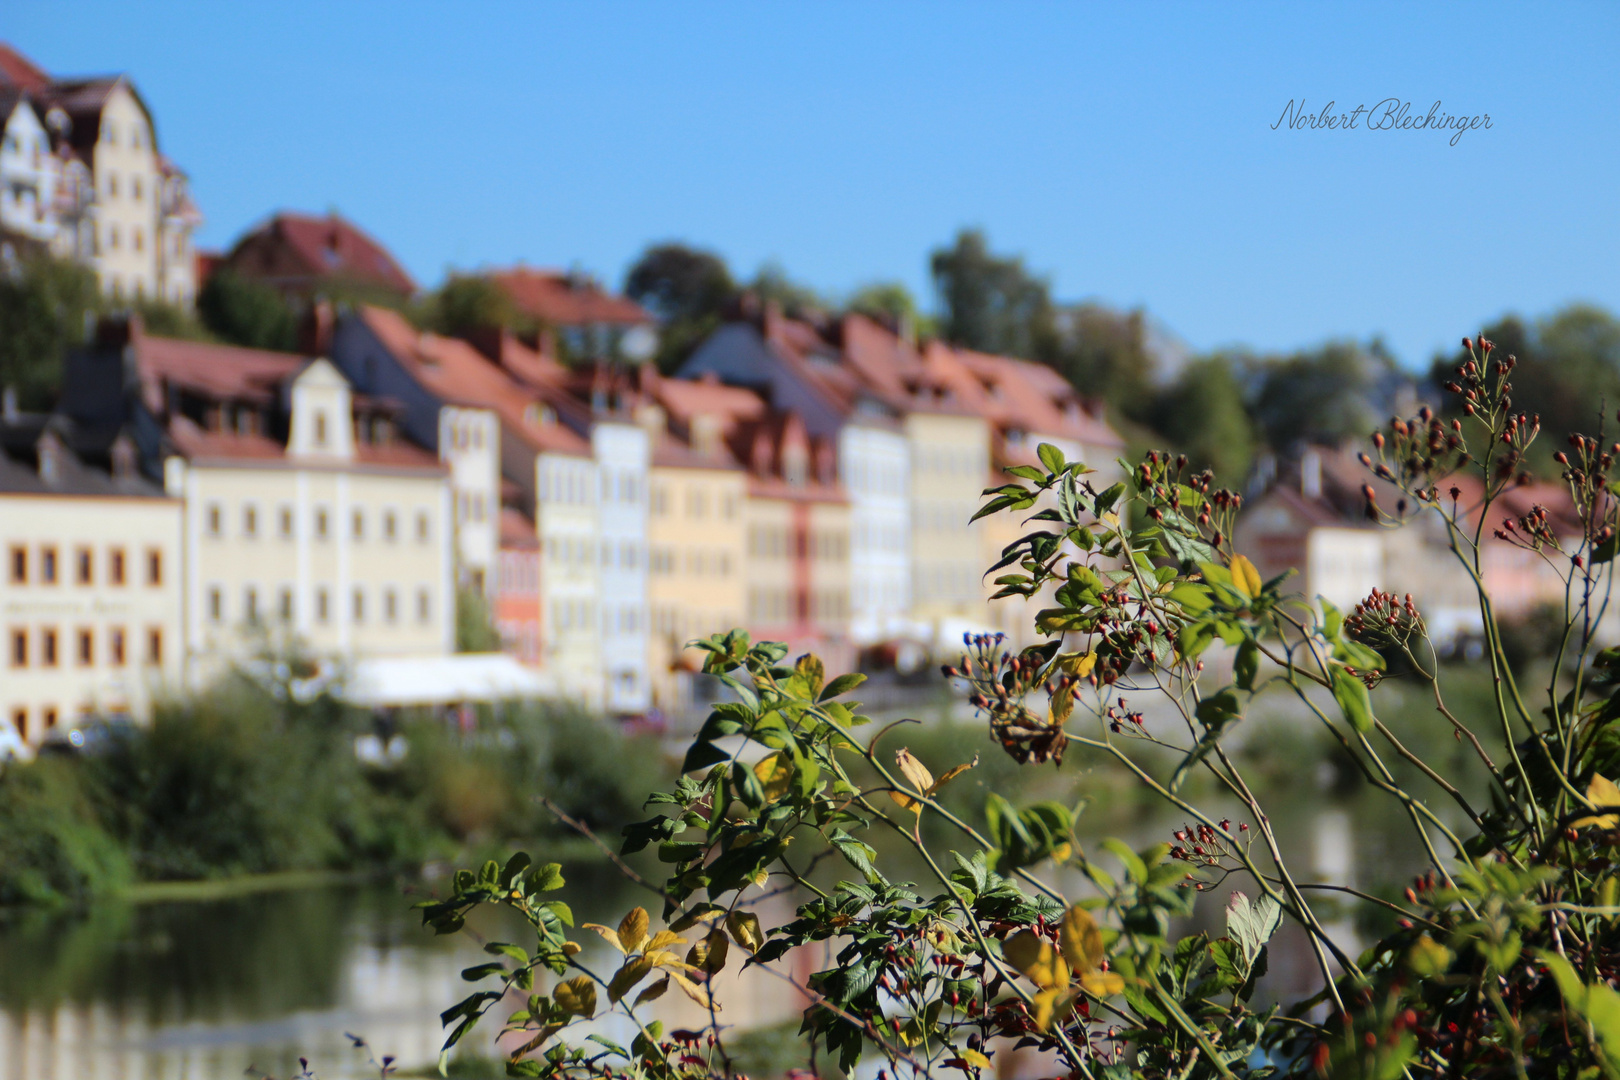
{"x": 135, "y": 191}
{"x": 390, "y": 525}
{"x": 19, "y": 648}
{"x": 250, "y": 604}
{"x": 112, "y": 243}
{"x": 390, "y": 606}
{"x": 115, "y": 645}
{"x": 424, "y": 605}
{"x": 47, "y": 647}
{"x": 19, "y": 720}
{"x": 112, "y": 185}
{"x": 216, "y": 604}
{"x": 320, "y": 428}
{"x": 87, "y": 647}
{"x": 137, "y": 240}
{"x": 215, "y": 519}
{"x": 49, "y": 717}
{"x": 154, "y": 567}
{"x": 86, "y": 566}
{"x": 359, "y": 525}
{"x": 320, "y": 523}
{"x": 115, "y": 566}
{"x": 250, "y": 520}
{"x": 422, "y": 527}
{"x": 321, "y": 605}
{"x": 286, "y": 522}
{"x": 286, "y": 605}
{"x": 359, "y": 605}
{"x": 47, "y": 566}
{"x": 154, "y": 646}
{"x": 19, "y": 565}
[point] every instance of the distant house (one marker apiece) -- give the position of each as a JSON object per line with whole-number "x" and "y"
{"x": 90, "y": 590}
{"x": 304, "y": 256}
{"x": 586, "y": 321}
{"x": 81, "y": 171}
{"x": 306, "y": 515}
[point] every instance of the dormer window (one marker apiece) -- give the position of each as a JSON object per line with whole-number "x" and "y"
{"x": 320, "y": 428}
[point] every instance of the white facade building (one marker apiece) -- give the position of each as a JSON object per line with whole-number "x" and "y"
{"x": 470, "y": 446}
{"x": 876, "y": 468}
{"x": 567, "y": 487}
{"x": 623, "y": 455}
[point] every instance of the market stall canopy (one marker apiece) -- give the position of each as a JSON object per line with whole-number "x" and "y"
{"x": 441, "y": 680}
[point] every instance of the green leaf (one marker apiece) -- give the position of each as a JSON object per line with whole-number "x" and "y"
{"x": 1050, "y": 456}
{"x": 1351, "y": 694}
{"x": 1332, "y": 621}
{"x": 857, "y": 854}
{"x": 842, "y": 685}
{"x": 547, "y": 878}
{"x": 1133, "y": 862}
{"x": 1246, "y": 665}
{"x": 1251, "y": 925}
{"x": 1605, "y": 551}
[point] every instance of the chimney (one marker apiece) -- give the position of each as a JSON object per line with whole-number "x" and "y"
{"x": 50, "y": 451}
{"x": 1310, "y": 473}
{"x": 8, "y": 405}
{"x": 123, "y": 457}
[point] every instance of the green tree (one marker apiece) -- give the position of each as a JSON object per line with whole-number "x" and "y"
{"x": 475, "y": 630}
{"x": 773, "y": 286}
{"x": 991, "y": 303}
{"x": 1104, "y": 354}
{"x": 891, "y": 303}
{"x": 1203, "y": 415}
{"x": 688, "y": 290}
{"x": 46, "y": 305}
{"x": 249, "y": 313}
{"x": 1336, "y": 392}
{"x": 166, "y": 319}
{"x": 468, "y": 303}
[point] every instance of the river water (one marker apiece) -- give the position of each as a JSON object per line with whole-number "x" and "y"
{"x": 245, "y": 986}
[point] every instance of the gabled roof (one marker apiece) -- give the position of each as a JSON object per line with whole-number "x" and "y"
{"x": 16, "y": 70}
{"x": 327, "y": 248}
{"x": 1032, "y": 397}
{"x": 557, "y": 298}
{"x": 225, "y": 372}
{"x": 687, "y": 399}
{"x": 458, "y": 374}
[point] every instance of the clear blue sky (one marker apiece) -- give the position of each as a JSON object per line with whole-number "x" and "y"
{"x": 1124, "y": 151}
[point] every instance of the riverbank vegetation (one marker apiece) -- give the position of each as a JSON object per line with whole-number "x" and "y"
{"x": 240, "y": 780}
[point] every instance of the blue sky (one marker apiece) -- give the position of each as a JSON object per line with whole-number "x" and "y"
{"x": 1126, "y": 152}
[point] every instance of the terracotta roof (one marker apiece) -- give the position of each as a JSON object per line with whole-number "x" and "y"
{"x": 300, "y": 249}
{"x": 1032, "y": 397}
{"x": 456, "y": 373}
{"x": 18, "y": 71}
{"x": 199, "y": 445}
{"x": 224, "y": 372}
{"x": 685, "y": 399}
{"x": 561, "y": 299}
{"x": 517, "y": 531}
{"x": 669, "y": 452}
{"x": 764, "y": 445}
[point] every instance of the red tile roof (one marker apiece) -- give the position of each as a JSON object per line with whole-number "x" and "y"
{"x": 1034, "y": 398}
{"x": 455, "y": 372}
{"x": 560, "y": 299}
{"x": 299, "y": 251}
{"x": 224, "y": 372}
{"x": 686, "y": 399}
{"x": 517, "y": 531}
{"x": 18, "y": 71}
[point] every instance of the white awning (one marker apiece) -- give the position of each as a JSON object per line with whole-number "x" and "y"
{"x": 442, "y": 680}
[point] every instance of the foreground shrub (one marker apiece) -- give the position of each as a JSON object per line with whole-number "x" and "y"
{"x": 1496, "y": 960}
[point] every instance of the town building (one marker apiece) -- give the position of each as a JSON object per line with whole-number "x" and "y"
{"x": 100, "y": 190}
{"x": 308, "y": 519}
{"x": 519, "y": 612}
{"x": 303, "y": 257}
{"x": 575, "y": 315}
{"x": 90, "y": 593}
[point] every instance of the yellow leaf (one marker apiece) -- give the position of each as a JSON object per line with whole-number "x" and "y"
{"x": 1077, "y": 665}
{"x": 1111, "y": 519}
{"x": 775, "y": 774}
{"x": 1052, "y": 1002}
{"x": 1080, "y": 939}
{"x": 1062, "y": 707}
{"x": 538, "y": 1041}
{"x": 915, "y": 772}
{"x": 609, "y": 935}
{"x": 625, "y": 979}
{"x": 692, "y": 990}
{"x": 577, "y": 996}
{"x": 570, "y": 948}
{"x": 664, "y": 939}
{"x": 1036, "y": 959}
{"x": 654, "y": 992}
{"x": 1428, "y": 958}
{"x": 663, "y": 958}
{"x": 1246, "y": 577}
{"x": 633, "y": 929}
{"x": 951, "y": 774}
{"x": 709, "y": 954}
{"x": 906, "y": 802}
{"x": 975, "y": 1059}
{"x": 1103, "y": 983}
{"x": 1602, "y": 792}
{"x": 744, "y": 927}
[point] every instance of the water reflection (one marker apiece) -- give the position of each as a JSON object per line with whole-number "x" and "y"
{"x": 185, "y": 991}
